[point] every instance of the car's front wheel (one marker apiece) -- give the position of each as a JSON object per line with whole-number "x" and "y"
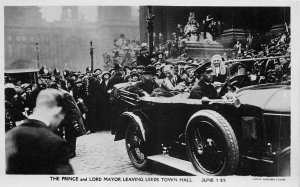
{"x": 135, "y": 146}
{"x": 211, "y": 144}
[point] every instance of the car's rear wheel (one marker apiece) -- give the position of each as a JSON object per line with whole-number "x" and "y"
{"x": 135, "y": 146}
{"x": 211, "y": 144}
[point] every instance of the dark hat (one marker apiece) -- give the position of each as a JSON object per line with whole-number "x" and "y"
{"x": 66, "y": 72}
{"x": 149, "y": 70}
{"x": 140, "y": 67}
{"x": 72, "y": 74}
{"x": 111, "y": 69}
{"x": 98, "y": 69}
{"x": 126, "y": 67}
{"x": 204, "y": 68}
{"x": 134, "y": 74}
{"x": 10, "y": 93}
{"x": 44, "y": 72}
{"x": 88, "y": 69}
{"x": 56, "y": 72}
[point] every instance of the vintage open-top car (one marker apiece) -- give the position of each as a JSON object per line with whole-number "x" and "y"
{"x": 249, "y": 134}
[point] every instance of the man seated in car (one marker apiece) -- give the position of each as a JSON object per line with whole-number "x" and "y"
{"x": 219, "y": 68}
{"x": 147, "y": 84}
{"x": 172, "y": 82}
{"x": 204, "y": 87}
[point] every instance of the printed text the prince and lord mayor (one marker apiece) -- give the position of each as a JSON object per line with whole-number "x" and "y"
{"x": 135, "y": 179}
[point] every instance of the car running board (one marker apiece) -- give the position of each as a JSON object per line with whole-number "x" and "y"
{"x": 173, "y": 162}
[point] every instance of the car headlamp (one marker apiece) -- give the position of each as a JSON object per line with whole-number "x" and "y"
{"x": 236, "y": 102}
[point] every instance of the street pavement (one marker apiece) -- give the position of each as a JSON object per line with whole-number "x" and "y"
{"x": 99, "y": 154}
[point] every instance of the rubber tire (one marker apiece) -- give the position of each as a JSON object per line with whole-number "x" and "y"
{"x": 145, "y": 164}
{"x": 230, "y": 140}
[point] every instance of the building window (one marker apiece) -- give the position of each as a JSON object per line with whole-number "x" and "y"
{"x": 47, "y": 51}
{"x": 135, "y": 12}
{"x": 9, "y": 38}
{"x": 24, "y": 38}
{"x": 10, "y": 50}
{"x": 23, "y": 50}
{"x": 18, "y": 50}
{"x": 18, "y": 38}
{"x": 69, "y": 13}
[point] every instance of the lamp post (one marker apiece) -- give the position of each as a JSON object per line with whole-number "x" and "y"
{"x": 149, "y": 21}
{"x": 37, "y": 51}
{"x": 92, "y": 55}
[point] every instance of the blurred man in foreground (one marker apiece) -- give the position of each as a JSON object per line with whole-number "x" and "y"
{"x": 32, "y": 147}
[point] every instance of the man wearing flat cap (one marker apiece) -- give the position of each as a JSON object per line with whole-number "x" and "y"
{"x": 204, "y": 87}
{"x": 147, "y": 83}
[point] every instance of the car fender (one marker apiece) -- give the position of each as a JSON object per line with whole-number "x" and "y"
{"x": 195, "y": 116}
{"x": 138, "y": 118}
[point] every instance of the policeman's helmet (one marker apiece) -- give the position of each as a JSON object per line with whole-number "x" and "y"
{"x": 66, "y": 72}
{"x": 56, "y": 72}
{"x": 88, "y": 69}
{"x": 44, "y": 72}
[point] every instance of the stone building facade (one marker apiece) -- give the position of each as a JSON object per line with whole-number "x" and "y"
{"x": 63, "y": 43}
{"x": 237, "y": 22}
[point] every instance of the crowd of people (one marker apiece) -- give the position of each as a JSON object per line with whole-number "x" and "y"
{"x": 85, "y": 96}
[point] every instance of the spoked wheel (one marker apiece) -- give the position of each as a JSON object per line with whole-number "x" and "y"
{"x": 211, "y": 144}
{"x": 135, "y": 147}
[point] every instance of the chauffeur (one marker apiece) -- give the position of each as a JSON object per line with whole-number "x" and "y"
{"x": 204, "y": 88}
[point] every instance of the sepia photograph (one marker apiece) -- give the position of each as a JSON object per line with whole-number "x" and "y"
{"x": 156, "y": 93}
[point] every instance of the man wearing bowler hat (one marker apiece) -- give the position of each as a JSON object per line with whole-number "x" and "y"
{"x": 147, "y": 83}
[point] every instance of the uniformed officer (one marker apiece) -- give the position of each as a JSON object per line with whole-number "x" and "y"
{"x": 204, "y": 88}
